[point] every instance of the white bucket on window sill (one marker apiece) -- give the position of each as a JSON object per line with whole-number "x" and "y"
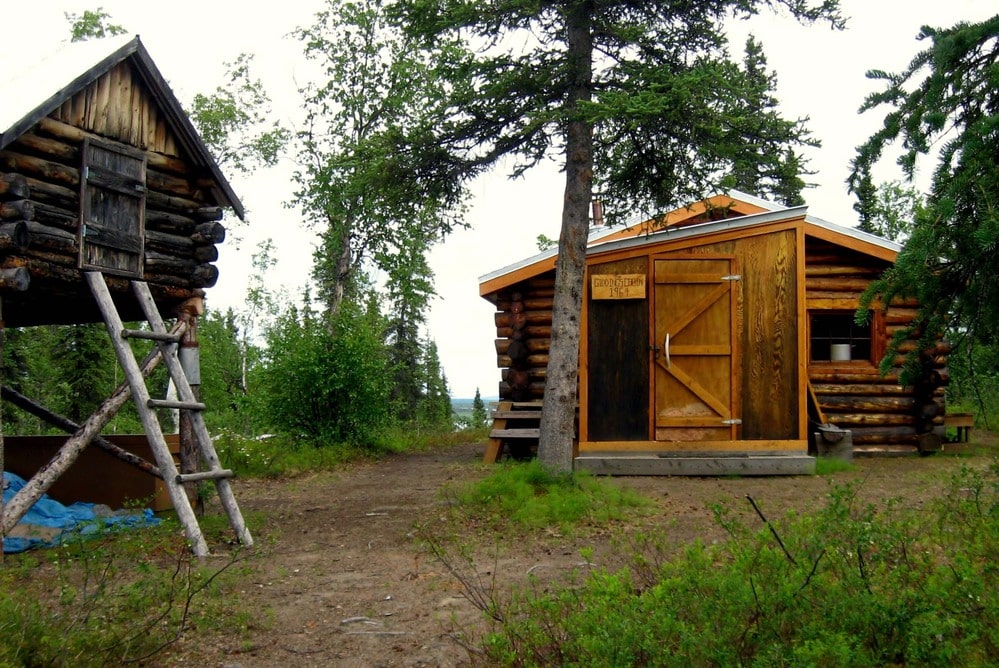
{"x": 839, "y": 352}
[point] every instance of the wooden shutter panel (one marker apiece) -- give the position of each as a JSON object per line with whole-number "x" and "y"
{"x": 112, "y": 208}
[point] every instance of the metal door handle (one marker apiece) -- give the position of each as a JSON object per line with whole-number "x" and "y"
{"x": 666, "y": 350}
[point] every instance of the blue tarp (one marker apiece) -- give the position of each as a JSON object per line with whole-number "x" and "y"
{"x": 49, "y": 522}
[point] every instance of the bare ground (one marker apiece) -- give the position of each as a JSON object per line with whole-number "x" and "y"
{"x": 341, "y": 577}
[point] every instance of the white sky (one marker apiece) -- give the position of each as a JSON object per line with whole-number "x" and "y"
{"x": 820, "y": 75}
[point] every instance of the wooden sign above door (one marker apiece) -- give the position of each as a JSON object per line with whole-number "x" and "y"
{"x": 617, "y": 286}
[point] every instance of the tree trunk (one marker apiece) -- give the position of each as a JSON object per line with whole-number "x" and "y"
{"x": 343, "y": 267}
{"x": 558, "y": 417}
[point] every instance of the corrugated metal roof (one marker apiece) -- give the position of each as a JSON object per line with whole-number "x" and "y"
{"x": 29, "y": 91}
{"x": 775, "y": 213}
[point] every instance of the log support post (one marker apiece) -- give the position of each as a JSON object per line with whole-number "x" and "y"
{"x": 190, "y": 360}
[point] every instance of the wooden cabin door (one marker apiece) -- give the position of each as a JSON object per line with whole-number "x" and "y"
{"x": 694, "y": 349}
{"x": 112, "y": 208}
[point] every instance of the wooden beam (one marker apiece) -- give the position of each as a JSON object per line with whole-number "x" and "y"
{"x": 70, "y": 427}
{"x": 68, "y": 453}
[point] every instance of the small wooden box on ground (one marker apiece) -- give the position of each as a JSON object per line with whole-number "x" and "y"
{"x": 96, "y": 477}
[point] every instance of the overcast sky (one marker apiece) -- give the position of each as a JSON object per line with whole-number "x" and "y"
{"x": 820, "y": 76}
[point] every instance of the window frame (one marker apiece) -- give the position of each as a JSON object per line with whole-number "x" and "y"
{"x": 876, "y": 333}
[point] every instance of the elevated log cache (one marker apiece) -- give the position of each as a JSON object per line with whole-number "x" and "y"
{"x": 40, "y": 193}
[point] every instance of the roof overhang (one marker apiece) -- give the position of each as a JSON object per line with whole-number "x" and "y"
{"x": 640, "y": 235}
{"x": 36, "y": 90}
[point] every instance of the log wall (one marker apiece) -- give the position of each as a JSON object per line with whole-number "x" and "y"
{"x": 854, "y": 395}
{"x": 40, "y": 185}
{"x": 523, "y": 330}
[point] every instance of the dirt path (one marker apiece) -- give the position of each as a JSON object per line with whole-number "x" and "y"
{"x": 339, "y": 577}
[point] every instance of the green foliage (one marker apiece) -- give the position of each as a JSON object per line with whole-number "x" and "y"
{"x": 327, "y": 379}
{"x": 108, "y": 601}
{"x": 233, "y": 120}
{"x": 275, "y": 455}
{"x": 223, "y": 383}
{"x": 889, "y": 210}
{"x": 831, "y": 465}
{"x": 944, "y": 104}
{"x": 639, "y": 100}
{"x": 354, "y": 184}
{"x": 851, "y": 585}
{"x": 974, "y": 385}
{"x": 528, "y": 496}
{"x": 670, "y": 112}
{"x": 435, "y": 402}
{"x": 70, "y": 370}
{"x": 92, "y": 24}
{"x": 545, "y": 242}
{"x": 480, "y": 418}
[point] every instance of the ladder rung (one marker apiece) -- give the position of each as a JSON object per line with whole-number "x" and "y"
{"x": 169, "y": 403}
{"x": 203, "y": 475}
{"x": 151, "y": 336}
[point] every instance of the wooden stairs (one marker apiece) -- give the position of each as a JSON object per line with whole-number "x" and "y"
{"x": 515, "y": 432}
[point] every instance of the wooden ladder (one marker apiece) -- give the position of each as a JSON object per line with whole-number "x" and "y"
{"x": 513, "y": 421}
{"x": 167, "y": 345}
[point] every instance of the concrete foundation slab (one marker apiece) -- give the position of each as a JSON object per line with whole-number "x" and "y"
{"x": 676, "y": 464}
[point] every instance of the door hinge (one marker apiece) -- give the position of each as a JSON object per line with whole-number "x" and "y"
{"x": 732, "y": 277}
{"x": 732, "y": 421}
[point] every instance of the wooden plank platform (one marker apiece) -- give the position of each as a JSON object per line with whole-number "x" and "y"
{"x": 695, "y": 464}
{"x": 963, "y": 422}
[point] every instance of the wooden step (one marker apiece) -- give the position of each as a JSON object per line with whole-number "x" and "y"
{"x": 150, "y": 336}
{"x": 220, "y": 474}
{"x": 513, "y": 421}
{"x": 517, "y": 415}
{"x": 170, "y": 403}
{"x": 534, "y": 433}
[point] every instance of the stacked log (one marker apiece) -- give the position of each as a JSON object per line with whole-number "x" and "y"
{"x": 40, "y": 186}
{"x": 15, "y": 209}
{"x": 523, "y": 326}
{"x": 875, "y": 408}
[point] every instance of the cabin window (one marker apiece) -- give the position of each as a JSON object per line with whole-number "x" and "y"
{"x": 836, "y": 337}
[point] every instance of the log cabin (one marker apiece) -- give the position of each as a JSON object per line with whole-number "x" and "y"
{"x": 101, "y": 168}
{"x": 718, "y": 339}
{"x": 110, "y": 202}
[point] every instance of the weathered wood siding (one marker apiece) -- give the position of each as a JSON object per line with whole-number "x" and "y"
{"x": 118, "y": 107}
{"x": 768, "y": 332}
{"x": 618, "y": 360}
{"x": 179, "y": 219}
{"x": 854, "y": 395}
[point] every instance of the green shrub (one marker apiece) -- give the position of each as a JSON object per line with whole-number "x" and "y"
{"x": 851, "y": 585}
{"x": 525, "y": 495}
{"x": 327, "y": 381}
{"x": 115, "y": 599}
